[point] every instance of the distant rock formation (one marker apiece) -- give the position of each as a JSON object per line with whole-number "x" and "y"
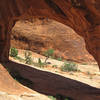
{"x": 39, "y": 35}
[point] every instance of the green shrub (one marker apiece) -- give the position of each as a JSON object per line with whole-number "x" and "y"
{"x": 13, "y": 52}
{"x": 40, "y": 63}
{"x": 19, "y": 58}
{"x": 69, "y": 66}
{"x": 28, "y": 59}
{"x": 54, "y": 66}
{"x": 59, "y": 59}
{"x": 48, "y": 53}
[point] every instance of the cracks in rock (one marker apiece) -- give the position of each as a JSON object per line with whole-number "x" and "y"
{"x": 21, "y": 38}
{"x": 87, "y": 16}
{"x": 55, "y": 7}
{"x": 77, "y": 4}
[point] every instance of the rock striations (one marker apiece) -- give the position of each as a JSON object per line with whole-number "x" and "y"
{"x": 39, "y": 35}
{"x": 81, "y": 15}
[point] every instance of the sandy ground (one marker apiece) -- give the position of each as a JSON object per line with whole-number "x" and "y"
{"x": 88, "y": 74}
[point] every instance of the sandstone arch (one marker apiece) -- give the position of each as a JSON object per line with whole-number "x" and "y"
{"x": 49, "y": 83}
{"x": 81, "y": 15}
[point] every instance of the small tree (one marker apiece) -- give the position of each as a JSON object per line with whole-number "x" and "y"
{"x": 13, "y": 52}
{"x": 48, "y": 53}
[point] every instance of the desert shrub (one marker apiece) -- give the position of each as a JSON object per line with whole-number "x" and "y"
{"x": 13, "y": 52}
{"x": 40, "y": 63}
{"x": 59, "y": 59}
{"x": 48, "y": 53}
{"x": 54, "y": 66}
{"x": 28, "y": 59}
{"x": 19, "y": 58}
{"x": 69, "y": 66}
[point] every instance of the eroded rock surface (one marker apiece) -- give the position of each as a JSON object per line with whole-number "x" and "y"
{"x": 43, "y": 34}
{"x": 50, "y": 83}
{"x": 10, "y": 89}
{"x": 36, "y": 96}
{"x": 83, "y": 16}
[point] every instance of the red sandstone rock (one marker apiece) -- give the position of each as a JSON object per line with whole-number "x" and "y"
{"x": 42, "y": 34}
{"x": 83, "y": 16}
{"x": 52, "y": 84}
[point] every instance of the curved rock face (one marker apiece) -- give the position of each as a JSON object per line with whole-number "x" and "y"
{"x": 10, "y": 89}
{"x": 81, "y": 15}
{"x": 39, "y": 35}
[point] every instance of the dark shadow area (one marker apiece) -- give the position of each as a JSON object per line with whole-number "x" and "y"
{"x": 52, "y": 84}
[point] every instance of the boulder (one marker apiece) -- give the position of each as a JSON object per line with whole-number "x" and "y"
{"x": 40, "y": 35}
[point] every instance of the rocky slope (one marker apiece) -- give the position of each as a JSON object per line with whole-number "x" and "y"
{"x": 39, "y": 80}
{"x": 52, "y": 81}
{"x": 36, "y": 96}
{"x": 88, "y": 73}
{"x": 40, "y": 35}
{"x": 10, "y": 89}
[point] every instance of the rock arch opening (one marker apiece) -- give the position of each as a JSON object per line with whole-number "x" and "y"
{"x": 82, "y": 16}
{"x": 41, "y": 34}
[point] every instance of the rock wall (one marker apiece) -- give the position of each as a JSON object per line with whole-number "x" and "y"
{"x": 37, "y": 96}
{"x": 51, "y": 83}
{"x": 81, "y": 15}
{"x": 11, "y": 89}
{"x": 39, "y": 35}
